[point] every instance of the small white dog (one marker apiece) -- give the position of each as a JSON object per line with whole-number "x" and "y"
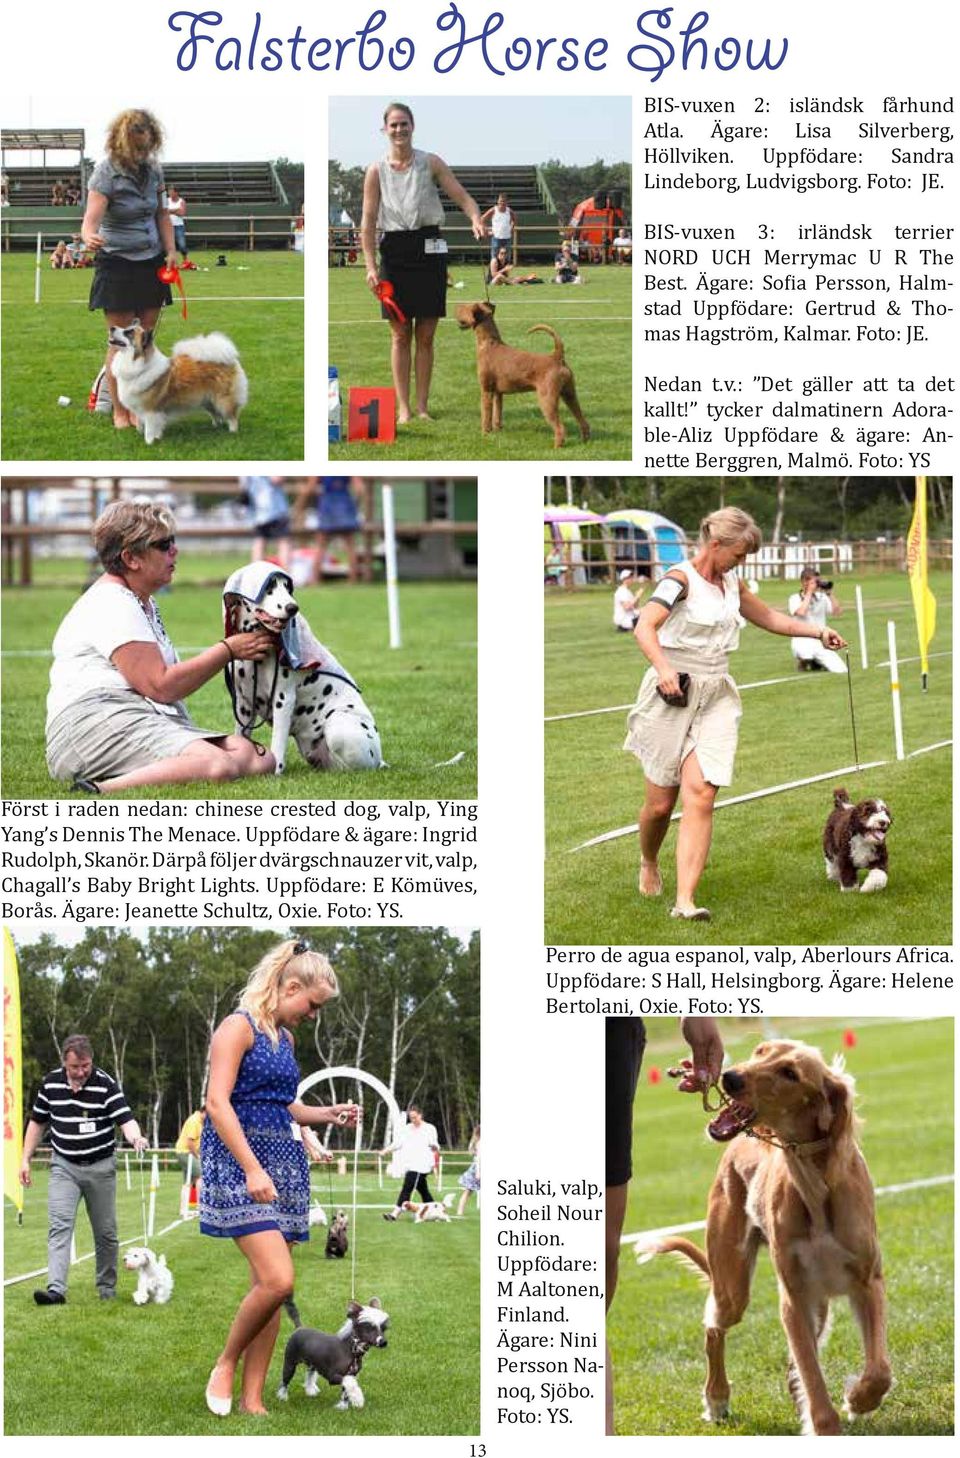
{"x": 202, "y": 374}
{"x": 430, "y": 1210}
{"x": 154, "y": 1280}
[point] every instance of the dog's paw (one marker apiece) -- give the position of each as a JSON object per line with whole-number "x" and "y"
{"x": 140, "y": 1298}
{"x": 282, "y": 1392}
{"x": 311, "y": 1384}
{"x": 352, "y": 1392}
{"x": 875, "y": 880}
{"x": 715, "y": 1409}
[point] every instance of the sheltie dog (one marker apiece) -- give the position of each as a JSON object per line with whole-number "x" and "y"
{"x": 202, "y": 374}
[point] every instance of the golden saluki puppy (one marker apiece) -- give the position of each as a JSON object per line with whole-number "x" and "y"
{"x": 793, "y": 1178}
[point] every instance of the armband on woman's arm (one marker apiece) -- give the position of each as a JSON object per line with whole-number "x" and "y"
{"x": 668, "y": 592}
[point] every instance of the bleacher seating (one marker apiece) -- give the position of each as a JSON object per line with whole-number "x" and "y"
{"x": 219, "y": 184}
{"x": 521, "y": 185}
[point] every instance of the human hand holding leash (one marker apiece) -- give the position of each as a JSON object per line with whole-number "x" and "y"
{"x": 706, "y": 1045}
{"x": 251, "y": 645}
{"x": 831, "y": 639}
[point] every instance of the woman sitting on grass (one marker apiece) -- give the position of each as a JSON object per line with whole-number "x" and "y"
{"x": 114, "y": 714}
{"x": 685, "y": 733}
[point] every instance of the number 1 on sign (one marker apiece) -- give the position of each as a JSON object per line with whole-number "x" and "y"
{"x": 372, "y": 415}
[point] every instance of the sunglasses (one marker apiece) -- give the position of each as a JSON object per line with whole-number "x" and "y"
{"x": 162, "y": 544}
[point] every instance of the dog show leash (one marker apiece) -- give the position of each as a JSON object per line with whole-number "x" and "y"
{"x": 792, "y": 1146}
{"x": 853, "y": 722}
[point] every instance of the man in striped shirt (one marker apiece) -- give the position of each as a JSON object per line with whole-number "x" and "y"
{"x": 80, "y": 1104}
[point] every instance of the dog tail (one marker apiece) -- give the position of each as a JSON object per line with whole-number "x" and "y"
{"x": 209, "y": 349}
{"x": 841, "y": 799}
{"x": 691, "y": 1255}
{"x": 557, "y": 341}
{"x": 290, "y": 1307}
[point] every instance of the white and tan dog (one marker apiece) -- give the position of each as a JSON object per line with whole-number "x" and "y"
{"x": 300, "y": 688}
{"x": 154, "y": 1280}
{"x": 429, "y": 1210}
{"x": 201, "y": 374}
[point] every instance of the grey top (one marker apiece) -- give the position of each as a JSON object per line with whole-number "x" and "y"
{"x": 408, "y": 199}
{"x": 129, "y": 226}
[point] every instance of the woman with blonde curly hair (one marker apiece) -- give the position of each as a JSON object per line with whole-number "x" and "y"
{"x": 127, "y": 226}
{"x": 115, "y": 716}
{"x": 256, "y": 1189}
{"x": 684, "y": 725}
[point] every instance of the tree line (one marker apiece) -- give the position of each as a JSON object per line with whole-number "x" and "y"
{"x": 828, "y": 507}
{"x": 408, "y": 1013}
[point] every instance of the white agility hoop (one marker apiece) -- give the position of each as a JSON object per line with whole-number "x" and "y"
{"x": 395, "y": 1120}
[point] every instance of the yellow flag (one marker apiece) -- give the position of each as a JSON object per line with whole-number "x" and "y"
{"x": 924, "y": 602}
{"x": 12, "y": 1080}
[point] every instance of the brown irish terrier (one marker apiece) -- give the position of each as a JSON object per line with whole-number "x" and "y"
{"x": 503, "y": 370}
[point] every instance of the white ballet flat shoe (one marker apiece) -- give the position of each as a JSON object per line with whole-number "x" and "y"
{"x": 690, "y": 913}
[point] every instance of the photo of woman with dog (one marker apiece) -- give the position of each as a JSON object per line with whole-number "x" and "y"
{"x": 115, "y": 716}
{"x": 129, "y": 229}
{"x": 683, "y": 727}
{"x": 256, "y": 1188}
{"x": 401, "y": 206}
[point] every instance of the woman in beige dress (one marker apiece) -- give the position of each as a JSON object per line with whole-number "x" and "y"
{"x": 685, "y": 733}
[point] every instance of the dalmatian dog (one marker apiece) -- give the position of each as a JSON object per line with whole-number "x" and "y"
{"x": 154, "y": 1280}
{"x": 300, "y": 688}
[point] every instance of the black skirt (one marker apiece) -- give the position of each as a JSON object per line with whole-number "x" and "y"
{"x": 121, "y": 286}
{"x": 419, "y": 277}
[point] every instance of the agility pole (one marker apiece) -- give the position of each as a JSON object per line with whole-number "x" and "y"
{"x": 862, "y": 627}
{"x": 895, "y": 688}
{"x": 390, "y": 550}
{"x": 36, "y": 271}
{"x": 853, "y": 721}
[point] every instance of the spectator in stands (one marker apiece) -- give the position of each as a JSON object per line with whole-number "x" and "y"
{"x": 567, "y": 269}
{"x": 503, "y": 225}
{"x": 401, "y": 202}
{"x": 115, "y": 720}
{"x": 72, "y": 195}
{"x": 4, "y": 193}
{"x": 58, "y": 195}
{"x": 130, "y": 232}
{"x": 338, "y": 517}
{"x": 623, "y": 246}
{"x": 177, "y": 209}
{"x": 60, "y": 257}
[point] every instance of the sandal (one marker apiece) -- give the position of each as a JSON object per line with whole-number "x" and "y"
{"x": 690, "y": 913}
{"x": 89, "y": 787}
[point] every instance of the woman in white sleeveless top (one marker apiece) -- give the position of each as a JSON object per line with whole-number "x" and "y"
{"x": 689, "y": 626}
{"x": 401, "y": 206}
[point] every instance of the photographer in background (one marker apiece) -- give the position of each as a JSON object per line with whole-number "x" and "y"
{"x": 815, "y": 603}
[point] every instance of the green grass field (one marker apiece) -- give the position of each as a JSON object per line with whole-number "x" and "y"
{"x": 56, "y": 348}
{"x": 593, "y": 321}
{"x": 765, "y": 880}
{"x": 142, "y": 1371}
{"x": 423, "y": 695}
{"x": 904, "y": 1073}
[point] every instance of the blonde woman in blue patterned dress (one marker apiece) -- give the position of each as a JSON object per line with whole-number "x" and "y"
{"x": 256, "y": 1189}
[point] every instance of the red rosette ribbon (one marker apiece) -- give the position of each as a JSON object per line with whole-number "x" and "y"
{"x": 169, "y": 273}
{"x": 384, "y": 292}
